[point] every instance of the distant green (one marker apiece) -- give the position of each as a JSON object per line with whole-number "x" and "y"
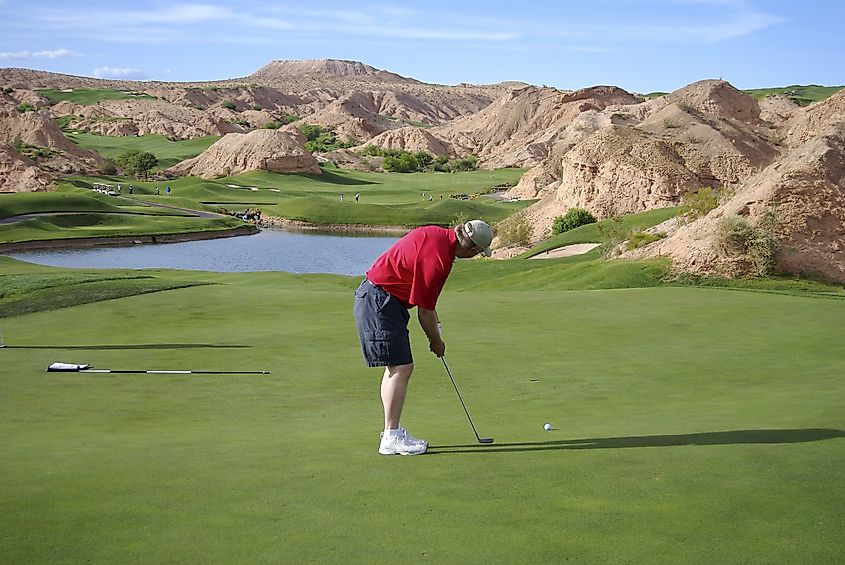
{"x": 90, "y": 96}
{"x": 168, "y": 152}
{"x": 802, "y": 95}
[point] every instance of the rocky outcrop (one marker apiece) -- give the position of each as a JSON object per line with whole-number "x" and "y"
{"x": 261, "y": 150}
{"x": 19, "y": 173}
{"x": 799, "y": 199}
{"x": 631, "y": 158}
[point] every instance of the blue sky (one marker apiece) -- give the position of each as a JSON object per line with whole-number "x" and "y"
{"x": 639, "y": 45}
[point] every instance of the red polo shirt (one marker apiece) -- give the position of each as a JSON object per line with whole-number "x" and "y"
{"x": 416, "y": 267}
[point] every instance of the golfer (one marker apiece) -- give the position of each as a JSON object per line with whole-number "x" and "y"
{"x": 411, "y": 273}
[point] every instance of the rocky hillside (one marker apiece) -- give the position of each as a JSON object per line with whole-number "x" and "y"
{"x": 635, "y": 157}
{"x": 799, "y": 198}
{"x": 599, "y": 148}
{"x": 260, "y": 150}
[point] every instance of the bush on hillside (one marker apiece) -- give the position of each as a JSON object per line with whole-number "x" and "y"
{"x": 401, "y": 161}
{"x": 697, "y": 204}
{"x": 515, "y": 231}
{"x": 736, "y": 237}
{"x": 321, "y": 140}
{"x": 573, "y": 218}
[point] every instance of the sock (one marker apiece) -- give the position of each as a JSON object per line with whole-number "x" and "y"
{"x": 391, "y": 433}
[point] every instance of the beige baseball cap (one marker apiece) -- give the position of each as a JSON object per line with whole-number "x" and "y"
{"x": 480, "y": 234}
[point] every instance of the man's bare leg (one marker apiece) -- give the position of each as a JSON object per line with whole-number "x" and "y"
{"x": 394, "y": 387}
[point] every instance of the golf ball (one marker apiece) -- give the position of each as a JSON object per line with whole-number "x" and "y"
{"x": 547, "y": 427}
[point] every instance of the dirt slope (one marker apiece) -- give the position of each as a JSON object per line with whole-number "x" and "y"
{"x": 260, "y": 150}
{"x": 804, "y": 190}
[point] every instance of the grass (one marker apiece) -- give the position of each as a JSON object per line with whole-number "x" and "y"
{"x": 169, "y": 152}
{"x": 386, "y": 199}
{"x": 692, "y": 425}
{"x": 591, "y": 233}
{"x": 90, "y": 96}
{"x": 802, "y": 95}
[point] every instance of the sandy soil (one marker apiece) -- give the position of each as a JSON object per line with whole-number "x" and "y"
{"x": 567, "y": 251}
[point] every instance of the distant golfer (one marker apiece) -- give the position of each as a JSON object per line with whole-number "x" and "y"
{"x": 411, "y": 273}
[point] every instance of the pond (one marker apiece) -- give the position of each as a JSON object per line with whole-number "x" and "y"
{"x": 268, "y": 250}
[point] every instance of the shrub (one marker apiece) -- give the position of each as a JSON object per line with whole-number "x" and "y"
{"x": 573, "y": 218}
{"x": 24, "y": 107}
{"x": 697, "y": 204}
{"x": 515, "y": 231}
{"x": 109, "y": 167}
{"x": 272, "y": 124}
{"x": 18, "y": 143}
{"x": 612, "y": 232}
{"x": 640, "y": 238}
{"x": 405, "y": 163}
{"x": 311, "y": 131}
{"x": 736, "y": 237}
{"x": 229, "y": 105}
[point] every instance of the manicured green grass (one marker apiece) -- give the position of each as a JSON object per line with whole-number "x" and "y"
{"x": 90, "y": 96}
{"x": 592, "y": 233}
{"x": 167, "y": 151}
{"x": 691, "y": 425}
{"x": 803, "y": 95}
{"x": 385, "y": 199}
{"x": 88, "y": 225}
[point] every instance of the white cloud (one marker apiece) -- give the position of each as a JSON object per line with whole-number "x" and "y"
{"x": 27, "y": 55}
{"x": 7, "y": 56}
{"x": 119, "y": 73}
{"x": 57, "y": 54}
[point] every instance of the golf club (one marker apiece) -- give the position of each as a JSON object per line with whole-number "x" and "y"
{"x": 449, "y": 372}
{"x": 84, "y": 368}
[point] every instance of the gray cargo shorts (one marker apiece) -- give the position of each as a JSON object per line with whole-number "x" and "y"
{"x": 382, "y": 326}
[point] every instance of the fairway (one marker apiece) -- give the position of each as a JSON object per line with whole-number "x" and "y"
{"x": 691, "y": 425}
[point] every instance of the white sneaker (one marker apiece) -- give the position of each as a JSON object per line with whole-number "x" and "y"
{"x": 401, "y": 444}
{"x": 411, "y": 439}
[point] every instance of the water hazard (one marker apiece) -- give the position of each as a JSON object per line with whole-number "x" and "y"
{"x": 268, "y": 250}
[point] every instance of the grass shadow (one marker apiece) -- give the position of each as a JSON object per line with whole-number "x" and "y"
{"x": 736, "y": 437}
{"x": 333, "y": 178}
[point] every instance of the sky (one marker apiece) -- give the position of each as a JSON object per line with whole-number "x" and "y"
{"x": 639, "y": 45}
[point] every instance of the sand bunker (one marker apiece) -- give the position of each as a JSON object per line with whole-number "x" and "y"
{"x": 567, "y": 251}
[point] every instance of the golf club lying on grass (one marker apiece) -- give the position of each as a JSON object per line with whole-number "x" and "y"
{"x": 480, "y": 439}
{"x": 85, "y": 368}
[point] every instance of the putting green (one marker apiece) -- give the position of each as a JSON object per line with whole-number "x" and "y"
{"x": 692, "y": 425}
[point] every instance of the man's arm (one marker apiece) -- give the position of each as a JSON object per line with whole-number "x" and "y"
{"x": 429, "y": 323}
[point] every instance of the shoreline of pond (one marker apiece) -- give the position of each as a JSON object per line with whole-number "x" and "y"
{"x": 124, "y": 241}
{"x": 274, "y": 222}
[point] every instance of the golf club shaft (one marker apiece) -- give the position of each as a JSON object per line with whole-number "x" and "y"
{"x": 177, "y": 372}
{"x": 449, "y": 372}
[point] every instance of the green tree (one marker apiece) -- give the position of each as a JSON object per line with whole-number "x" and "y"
{"x": 137, "y": 162}
{"x": 424, "y": 159}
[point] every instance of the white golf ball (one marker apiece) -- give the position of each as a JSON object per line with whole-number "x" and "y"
{"x": 547, "y": 427}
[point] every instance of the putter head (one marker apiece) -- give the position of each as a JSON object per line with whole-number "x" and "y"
{"x": 485, "y": 440}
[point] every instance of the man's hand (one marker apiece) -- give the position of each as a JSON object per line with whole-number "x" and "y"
{"x": 429, "y": 322}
